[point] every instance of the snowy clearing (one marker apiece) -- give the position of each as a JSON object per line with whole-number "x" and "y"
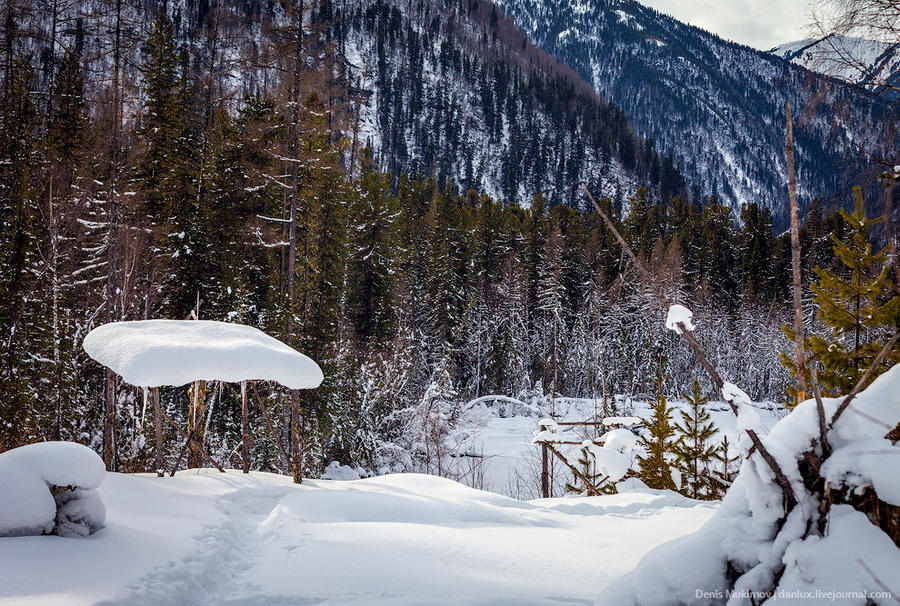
{"x": 499, "y": 440}
{"x": 210, "y": 538}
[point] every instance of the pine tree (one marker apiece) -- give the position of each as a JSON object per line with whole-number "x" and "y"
{"x": 659, "y": 445}
{"x": 694, "y": 450}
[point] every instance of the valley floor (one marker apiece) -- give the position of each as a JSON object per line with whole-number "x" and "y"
{"x": 204, "y": 537}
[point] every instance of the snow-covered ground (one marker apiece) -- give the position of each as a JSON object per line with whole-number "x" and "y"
{"x": 204, "y": 537}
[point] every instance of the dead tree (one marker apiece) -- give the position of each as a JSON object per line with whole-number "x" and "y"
{"x": 795, "y": 260}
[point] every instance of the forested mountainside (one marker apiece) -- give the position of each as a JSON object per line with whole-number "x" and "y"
{"x": 460, "y": 93}
{"x": 717, "y": 106}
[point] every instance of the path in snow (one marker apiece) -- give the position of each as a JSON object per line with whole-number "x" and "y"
{"x": 209, "y": 538}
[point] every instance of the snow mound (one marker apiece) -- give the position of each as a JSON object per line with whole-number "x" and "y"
{"x": 743, "y": 539}
{"x": 679, "y": 314}
{"x": 27, "y": 475}
{"x": 342, "y": 473}
{"x": 154, "y": 353}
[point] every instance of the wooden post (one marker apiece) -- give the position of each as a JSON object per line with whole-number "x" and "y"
{"x": 158, "y": 429}
{"x": 545, "y": 468}
{"x": 545, "y": 475}
{"x": 795, "y": 259}
{"x": 245, "y": 428}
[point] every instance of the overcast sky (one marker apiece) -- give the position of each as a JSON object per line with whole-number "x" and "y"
{"x": 762, "y": 24}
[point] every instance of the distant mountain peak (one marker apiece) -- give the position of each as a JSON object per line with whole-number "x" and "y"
{"x": 855, "y": 60}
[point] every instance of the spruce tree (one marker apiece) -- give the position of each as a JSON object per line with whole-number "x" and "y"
{"x": 694, "y": 450}
{"x": 659, "y": 445}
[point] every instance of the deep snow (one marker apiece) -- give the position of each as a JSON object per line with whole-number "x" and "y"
{"x": 204, "y": 537}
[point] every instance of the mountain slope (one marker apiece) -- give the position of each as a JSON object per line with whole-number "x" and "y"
{"x": 456, "y": 91}
{"x": 717, "y": 106}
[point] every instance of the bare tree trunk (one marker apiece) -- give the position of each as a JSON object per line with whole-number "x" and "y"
{"x": 109, "y": 417}
{"x": 296, "y": 464}
{"x": 795, "y": 260}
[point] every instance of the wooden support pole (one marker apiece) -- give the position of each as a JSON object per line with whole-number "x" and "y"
{"x": 296, "y": 448}
{"x": 158, "y": 431}
{"x": 245, "y": 428}
{"x": 109, "y": 422}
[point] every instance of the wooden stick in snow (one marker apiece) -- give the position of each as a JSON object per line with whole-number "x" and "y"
{"x": 788, "y": 491}
{"x": 820, "y": 410}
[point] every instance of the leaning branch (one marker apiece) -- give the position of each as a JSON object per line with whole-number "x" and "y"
{"x": 790, "y": 497}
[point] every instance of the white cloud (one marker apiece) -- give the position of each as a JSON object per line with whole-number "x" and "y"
{"x": 762, "y": 24}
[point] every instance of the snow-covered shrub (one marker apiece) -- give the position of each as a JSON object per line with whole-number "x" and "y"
{"x": 50, "y": 487}
{"x": 749, "y": 552}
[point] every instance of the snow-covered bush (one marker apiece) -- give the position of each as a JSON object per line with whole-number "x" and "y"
{"x": 752, "y": 550}
{"x": 50, "y": 488}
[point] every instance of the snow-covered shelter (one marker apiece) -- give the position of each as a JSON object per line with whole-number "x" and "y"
{"x": 158, "y": 353}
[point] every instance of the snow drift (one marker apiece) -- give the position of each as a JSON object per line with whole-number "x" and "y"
{"x": 154, "y": 353}
{"x": 51, "y": 487}
{"x": 849, "y": 564}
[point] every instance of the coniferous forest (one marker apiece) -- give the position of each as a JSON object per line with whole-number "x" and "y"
{"x": 426, "y": 245}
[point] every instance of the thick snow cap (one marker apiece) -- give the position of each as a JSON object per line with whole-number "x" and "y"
{"x": 155, "y": 353}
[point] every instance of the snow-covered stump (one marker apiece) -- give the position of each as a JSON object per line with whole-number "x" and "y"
{"x": 51, "y": 488}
